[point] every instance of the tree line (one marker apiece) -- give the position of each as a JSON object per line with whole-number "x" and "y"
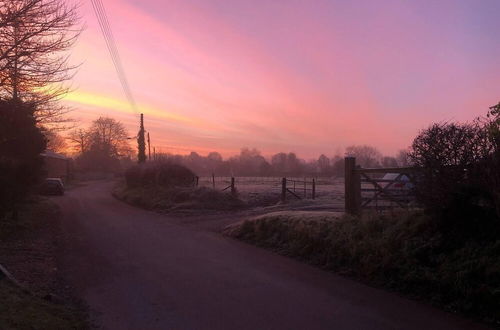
{"x": 105, "y": 146}
{"x": 250, "y": 162}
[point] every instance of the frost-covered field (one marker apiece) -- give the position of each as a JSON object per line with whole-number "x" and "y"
{"x": 267, "y": 190}
{"x": 264, "y": 191}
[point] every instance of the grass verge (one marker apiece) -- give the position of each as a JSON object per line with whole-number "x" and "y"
{"x": 177, "y": 198}
{"x": 402, "y": 251}
{"x": 21, "y": 310}
{"x": 28, "y": 249}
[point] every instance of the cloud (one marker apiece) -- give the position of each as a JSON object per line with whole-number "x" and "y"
{"x": 119, "y": 105}
{"x": 294, "y": 76}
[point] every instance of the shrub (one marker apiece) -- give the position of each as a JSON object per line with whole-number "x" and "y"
{"x": 491, "y": 172}
{"x": 171, "y": 174}
{"x": 178, "y": 198}
{"x": 21, "y": 143}
{"x": 167, "y": 186}
{"x": 458, "y": 179}
{"x": 446, "y": 152}
{"x": 164, "y": 174}
{"x": 133, "y": 176}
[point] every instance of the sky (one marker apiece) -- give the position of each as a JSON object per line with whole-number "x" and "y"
{"x": 309, "y": 77}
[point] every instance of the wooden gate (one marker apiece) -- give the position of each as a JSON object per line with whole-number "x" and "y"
{"x": 296, "y": 187}
{"x": 373, "y": 187}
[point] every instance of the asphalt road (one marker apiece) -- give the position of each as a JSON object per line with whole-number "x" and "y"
{"x": 141, "y": 270}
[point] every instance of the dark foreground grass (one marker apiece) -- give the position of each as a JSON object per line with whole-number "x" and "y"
{"x": 160, "y": 198}
{"x": 20, "y": 310}
{"x": 28, "y": 249}
{"x": 403, "y": 252}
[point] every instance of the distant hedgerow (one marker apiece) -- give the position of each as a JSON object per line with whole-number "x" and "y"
{"x": 164, "y": 174}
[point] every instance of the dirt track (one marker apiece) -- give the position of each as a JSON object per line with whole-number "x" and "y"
{"x": 140, "y": 270}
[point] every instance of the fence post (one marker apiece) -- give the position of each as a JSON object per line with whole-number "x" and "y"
{"x": 283, "y": 189}
{"x": 197, "y": 181}
{"x": 233, "y": 189}
{"x": 352, "y": 187}
{"x": 305, "y": 189}
{"x": 314, "y": 189}
{"x": 213, "y": 180}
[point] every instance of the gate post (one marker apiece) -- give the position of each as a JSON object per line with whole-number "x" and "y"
{"x": 352, "y": 187}
{"x": 314, "y": 189}
{"x": 233, "y": 189}
{"x": 283, "y": 189}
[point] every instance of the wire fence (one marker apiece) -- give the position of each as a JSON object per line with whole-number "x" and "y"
{"x": 295, "y": 187}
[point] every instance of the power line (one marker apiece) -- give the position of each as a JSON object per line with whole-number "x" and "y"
{"x": 107, "y": 33}
{"x": 111, "y": 45}
{"x": 116, "y": 54}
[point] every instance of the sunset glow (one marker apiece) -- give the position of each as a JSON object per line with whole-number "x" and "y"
{"x": 309, "y": 77}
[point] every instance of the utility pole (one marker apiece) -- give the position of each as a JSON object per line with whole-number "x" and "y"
{"x": 149, "y": 148}
{"x": 141, "y": 143}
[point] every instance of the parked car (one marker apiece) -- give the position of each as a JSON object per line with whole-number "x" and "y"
{"x": 402, "y": 183}
{"x": 52, "y": 186}
{"x": 401, "y": 189}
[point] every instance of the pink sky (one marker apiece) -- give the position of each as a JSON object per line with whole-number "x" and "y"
{"x": 305, "y": 76}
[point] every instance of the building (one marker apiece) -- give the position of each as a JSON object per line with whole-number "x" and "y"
{"x": 57, "y": 165}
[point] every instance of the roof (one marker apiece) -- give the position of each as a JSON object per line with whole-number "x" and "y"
{"x": 51, "y": 154}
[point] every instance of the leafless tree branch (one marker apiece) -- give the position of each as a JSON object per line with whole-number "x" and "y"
{"x": 35, "y": 37}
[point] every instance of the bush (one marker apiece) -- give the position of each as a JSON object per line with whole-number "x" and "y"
{"x": 21, "y": 143}
{"x": 161, "y": 198}
{"x": 446, "y": 152}
{"x": 167, "y": 186}
{"x": 459, "y": 181}
{"x": 133, "y": 176}
{"x": 163, "y": 174}
{"x": 174, "y": 175}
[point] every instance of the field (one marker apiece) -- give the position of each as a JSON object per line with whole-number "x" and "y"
{"x": 262, "y": 191}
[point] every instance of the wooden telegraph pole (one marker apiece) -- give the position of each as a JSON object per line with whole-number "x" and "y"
{"x": 149, "y": 148}
{"x": 352, "y": 187}
{"x": 141, "y": 146}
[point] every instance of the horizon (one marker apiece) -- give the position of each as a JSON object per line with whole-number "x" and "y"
{"x": 296, "y": 78}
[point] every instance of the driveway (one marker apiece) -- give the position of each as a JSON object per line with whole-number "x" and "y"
{"x": 140, "y": 270}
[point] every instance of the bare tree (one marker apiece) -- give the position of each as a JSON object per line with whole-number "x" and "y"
{"x": 35, "y": 36}
{"x": 366, "y": 156}
{"x": 389, "y": 161}
{"x": 104, "y": 144}
{"x": 8, "y": 15}
{"x": 80, "y": 139}
{"x": 55, "y": 141}
{"x": 402, "y": 158}
{"x": 215, "y": 157}
{"x": 323, "y": 163}
{"x": 110, "y": 135}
